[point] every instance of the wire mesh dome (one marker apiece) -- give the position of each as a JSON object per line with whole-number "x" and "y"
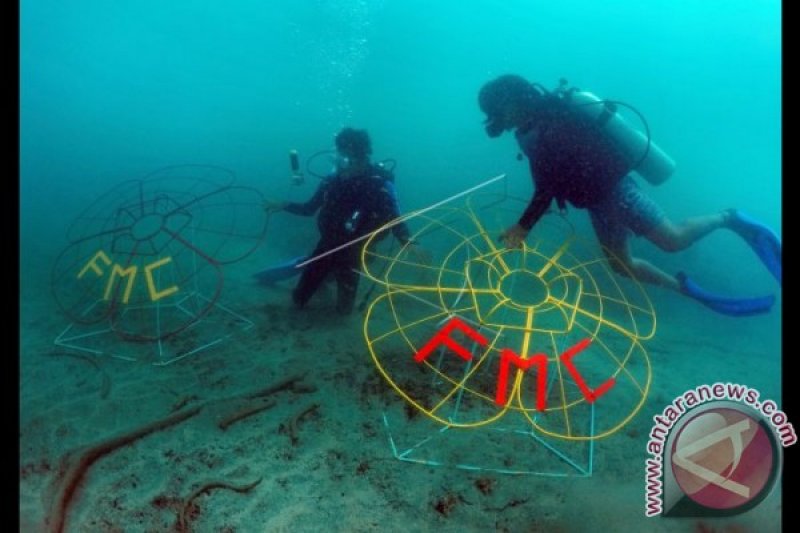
{"x": 545, "y": 331}
{"x": 147, "y": 255}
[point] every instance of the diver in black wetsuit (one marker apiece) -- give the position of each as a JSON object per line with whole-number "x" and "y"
{"x": 571, "y": 160}
{"x": 357, "y": 199}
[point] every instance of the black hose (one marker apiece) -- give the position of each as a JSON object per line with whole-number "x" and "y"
{"x": 389, "y": 164}
{"x": 310, "y": 159}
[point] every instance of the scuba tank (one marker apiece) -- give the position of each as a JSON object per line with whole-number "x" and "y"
{"x": 647, "y": 159}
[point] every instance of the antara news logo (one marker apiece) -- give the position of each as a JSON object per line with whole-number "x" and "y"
{"x": 716, "y": 450}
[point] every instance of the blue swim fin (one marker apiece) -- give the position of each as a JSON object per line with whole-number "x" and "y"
{"x": 764, "y": 242}
{"x": 726, "y": 306}
{"x": 280, "y": 272}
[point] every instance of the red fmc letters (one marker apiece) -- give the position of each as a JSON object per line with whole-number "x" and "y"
{"x": 442, "y": 338}
{"x": 508, "y": 358}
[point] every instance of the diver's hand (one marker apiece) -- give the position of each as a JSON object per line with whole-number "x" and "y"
{"x": 514, "y": 236}
{"x": 271, "y": 206}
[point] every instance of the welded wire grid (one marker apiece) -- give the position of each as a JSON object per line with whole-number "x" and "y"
{"x": 145, "y": 260}
{"x": 540, "y": 300}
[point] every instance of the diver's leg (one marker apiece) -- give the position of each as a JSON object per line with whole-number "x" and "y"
{"x": 347, "y": 277}
{"x": 312, "y": 277}
{"x": 622, "y": 262}
{"x": 632, "y": 207}
{"x": 674, "y": 237}
{"x": 612, "y": 221}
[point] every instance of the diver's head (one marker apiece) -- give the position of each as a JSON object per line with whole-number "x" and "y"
{"x": 354, "y": 145}
{"x": 507, "y": 102}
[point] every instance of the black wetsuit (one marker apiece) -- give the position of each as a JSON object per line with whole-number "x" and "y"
{"x": 570, "y": 160}
{"x": 349, "y": 207}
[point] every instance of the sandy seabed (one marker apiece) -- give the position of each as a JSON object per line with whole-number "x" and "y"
{"x": 313, "y": 454}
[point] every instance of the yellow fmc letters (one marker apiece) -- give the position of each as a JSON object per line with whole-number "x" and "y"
{"x": 151, "y": 286}
{"x": 117, "y": 270}
{"x": 93, "y": 264}
{"x": 130, "y": 273}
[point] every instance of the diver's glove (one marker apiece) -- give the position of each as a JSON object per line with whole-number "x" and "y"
{"x": 514, "y": 236}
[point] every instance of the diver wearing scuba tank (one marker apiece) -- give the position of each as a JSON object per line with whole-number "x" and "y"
{"x": 355, "y": 200}
{"x": 580, "y": 151}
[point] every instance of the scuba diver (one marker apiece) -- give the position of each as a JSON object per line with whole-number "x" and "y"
{"x": 581, "y": 151}
{"x": 357, "y": 199}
